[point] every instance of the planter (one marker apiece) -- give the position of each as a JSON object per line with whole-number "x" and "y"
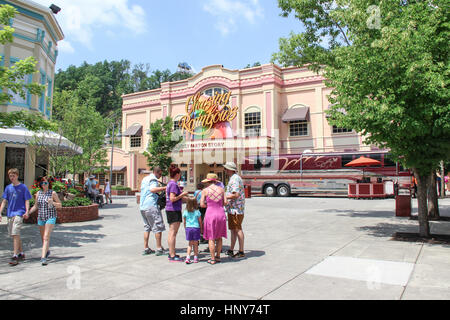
{"x": 123, "y": 192}
{"x": 70, "y": 214}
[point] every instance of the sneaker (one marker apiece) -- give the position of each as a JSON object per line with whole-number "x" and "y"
{"x": 159, "y": 252}
{"x": 44, "y": 261}
{"x": 21, "y": 256}
{"x": 14, "y": 261}
{"x": 188, "y": 261}
{"x": 175, "y": 259}
{"x": 195, "y": 260}
{"x": 147, "y": 252}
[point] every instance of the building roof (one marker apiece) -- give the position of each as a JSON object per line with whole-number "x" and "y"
{"x": 39, "y": 12}
{"x": 19, "y": 135}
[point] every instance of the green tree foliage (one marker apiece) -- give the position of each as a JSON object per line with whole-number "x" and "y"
{"x": 163, "y": 141}
{"x": 387, "y": 63}
{"x": 108, "y": 81}
{"x": 256, "y": 64}
{"x": 83, "y": 125}
{"x": 12, "y": 81}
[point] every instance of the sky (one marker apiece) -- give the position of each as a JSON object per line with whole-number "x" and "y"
{"x": 232, "y": 33}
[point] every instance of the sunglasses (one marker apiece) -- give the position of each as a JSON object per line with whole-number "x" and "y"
{"x": 44, "y": 183}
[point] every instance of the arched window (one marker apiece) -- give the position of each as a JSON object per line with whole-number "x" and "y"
{"x": 213, "y": 91}
{"x": 252, "y": 122}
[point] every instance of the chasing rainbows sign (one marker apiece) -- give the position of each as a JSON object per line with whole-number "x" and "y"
{"x": 204, "y": 113}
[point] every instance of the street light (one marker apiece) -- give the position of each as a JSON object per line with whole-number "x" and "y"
{"x": 107, "y": 138}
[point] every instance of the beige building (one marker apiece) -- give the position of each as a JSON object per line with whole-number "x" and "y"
{"x": 265, "y": 110}
{"x": 36, "y": 34}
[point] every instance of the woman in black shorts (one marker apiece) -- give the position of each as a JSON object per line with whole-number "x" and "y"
{"x": 174, "y": 203}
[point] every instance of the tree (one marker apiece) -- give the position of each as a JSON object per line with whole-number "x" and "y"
{"x": 256, "y": 64}
{"x": 388, "y": 67}
{"x": 162, "y": 142}
{"x": 12, "y": 81}
{"x": 110, "y": 80}
{"x": 84, "y": 126}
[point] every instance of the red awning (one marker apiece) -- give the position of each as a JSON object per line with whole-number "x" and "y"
{"x": 134, "y": 130}
{"x": 295, "y": 114}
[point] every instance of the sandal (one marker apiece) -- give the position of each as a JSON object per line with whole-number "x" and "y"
{"x": 229, "y": 253}
{"x": 217, "y": 259}
{"x": 240, "y": 254}
{"x": 212, "y": 261}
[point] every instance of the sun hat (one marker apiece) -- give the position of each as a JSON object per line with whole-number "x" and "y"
{"x": 230, "y": 166}
{"x": 211, "y": 177}
{"x": 92, "y": 177}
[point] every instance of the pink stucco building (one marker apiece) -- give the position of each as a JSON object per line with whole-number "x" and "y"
{"x": 271, "y": 110}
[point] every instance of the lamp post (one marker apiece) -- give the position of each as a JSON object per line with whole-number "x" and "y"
{"x": 107, "y": 137}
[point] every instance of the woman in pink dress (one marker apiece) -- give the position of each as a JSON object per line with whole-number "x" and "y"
{"x": 215, "y": 224}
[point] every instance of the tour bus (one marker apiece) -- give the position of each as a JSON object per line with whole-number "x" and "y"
{"x": 318, "y": 173}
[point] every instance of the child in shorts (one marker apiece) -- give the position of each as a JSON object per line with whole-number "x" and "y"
{"x": 198, "y": 196}
{"x": 193, "y": 225}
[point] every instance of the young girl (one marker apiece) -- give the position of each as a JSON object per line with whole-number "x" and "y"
{"x": 193, "y": 224}
{"x": 198, "y": 197}
{"x": 46, "y": 203}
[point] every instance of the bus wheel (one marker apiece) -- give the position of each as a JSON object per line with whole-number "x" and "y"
{"x": 283, "y": 190}
{"x": 270, "y": 191}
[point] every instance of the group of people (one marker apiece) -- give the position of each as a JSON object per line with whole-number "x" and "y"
{"x": 204, "y": 217}
{"x": 93, "y": 193}
{"x": 17, "y": 197}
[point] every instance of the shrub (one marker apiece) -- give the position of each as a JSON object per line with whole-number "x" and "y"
{"x": 73, "y": 191}
{"x": 77, "y": 202}
{"x": 120, "y": 188}
{"x": 58, "y": 186}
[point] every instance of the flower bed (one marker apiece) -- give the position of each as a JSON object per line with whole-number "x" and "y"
{"x": 70, "y": 214}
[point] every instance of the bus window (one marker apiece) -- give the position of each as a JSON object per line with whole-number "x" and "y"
{"x": 376, "y": 156}
{"x": 346, "y": 158}
{"x": 388, "y": 162}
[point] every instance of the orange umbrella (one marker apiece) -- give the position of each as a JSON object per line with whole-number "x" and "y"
{"x": 363, "y": 162}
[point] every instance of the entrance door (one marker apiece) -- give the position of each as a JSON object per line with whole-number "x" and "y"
{"x": 15, "y": 158}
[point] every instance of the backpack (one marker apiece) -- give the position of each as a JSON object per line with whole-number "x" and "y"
{"x": 161, "y": 202}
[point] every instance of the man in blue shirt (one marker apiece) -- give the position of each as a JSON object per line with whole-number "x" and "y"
{"x": 17, "y": 197}
{"x": 151, "y": 214}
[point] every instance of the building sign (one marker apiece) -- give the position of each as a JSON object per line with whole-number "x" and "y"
{"x": 209, "y": 116}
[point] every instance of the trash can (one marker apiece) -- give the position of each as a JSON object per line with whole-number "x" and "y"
{"x": 403, "y": 202}
{"x": 248, "y": 190}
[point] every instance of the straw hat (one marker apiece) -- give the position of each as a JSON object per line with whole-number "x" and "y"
{"x": 230, "y": 166}
{"x": 211, "y": 177}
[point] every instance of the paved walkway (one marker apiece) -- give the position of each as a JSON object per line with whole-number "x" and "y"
{"x": 297, "y": 248}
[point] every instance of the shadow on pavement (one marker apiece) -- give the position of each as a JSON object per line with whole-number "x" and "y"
{"x": 114, "y": 206}
{"x": 66, "y": 235}
{"x": 387, "y": 229}
{"x": 362, "y": 214}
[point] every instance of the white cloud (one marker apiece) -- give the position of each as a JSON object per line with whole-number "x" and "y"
{"x": 228, "y": 11}
{"x": 65, "y": 46}
{"x": 81, "y": 18}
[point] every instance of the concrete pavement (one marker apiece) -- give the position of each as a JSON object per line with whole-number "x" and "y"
{"x": 296, "y": 248}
